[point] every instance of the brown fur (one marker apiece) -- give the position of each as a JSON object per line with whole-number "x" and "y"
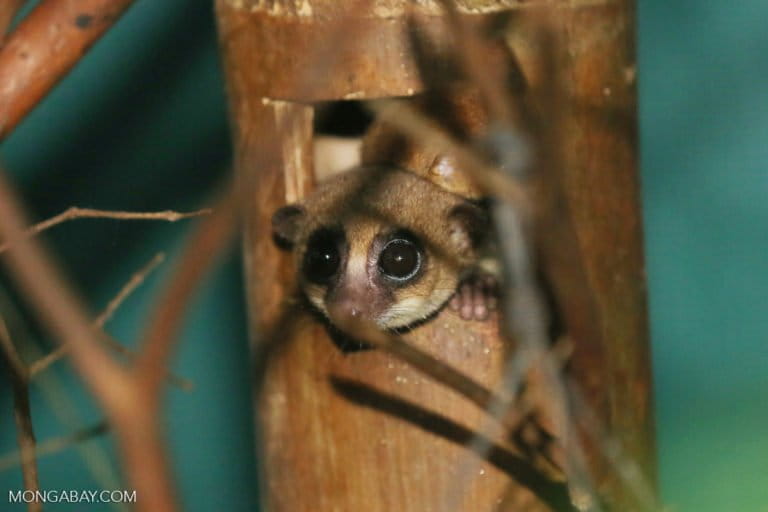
{"x": 458, "y": 110}
{"x": 372, "y": 201}
{"x": 402, "y": 185}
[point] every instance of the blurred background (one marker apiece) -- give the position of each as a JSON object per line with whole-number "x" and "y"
{"x": 141, "y": 124}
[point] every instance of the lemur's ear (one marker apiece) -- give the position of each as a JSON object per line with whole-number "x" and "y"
{"x": 285, "y": 225}
{"x": 468, "y": 224}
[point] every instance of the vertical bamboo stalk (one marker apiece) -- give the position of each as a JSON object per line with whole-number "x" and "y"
{"x": 601, "y": 184}
{"x": 363, "y": 431}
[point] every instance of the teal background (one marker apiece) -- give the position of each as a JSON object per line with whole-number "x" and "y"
{"x": 704, "y": 139}
{"x": 141, "y": 124}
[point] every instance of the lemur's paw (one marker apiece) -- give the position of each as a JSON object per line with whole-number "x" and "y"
{"x": 476, "y": 297}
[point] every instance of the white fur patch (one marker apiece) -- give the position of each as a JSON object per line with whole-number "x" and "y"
{"x": 413, "y": 309}
{"x": 315, "y": 295}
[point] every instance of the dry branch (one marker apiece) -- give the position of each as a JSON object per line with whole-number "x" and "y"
{"x": 135, "y": 281}
{"x": 44, "y": 47}
{"x": 413, "y": 123}
{"x": 526, "y": 313}
{"x": 15, "y": 363}
{"x": 53, "y": 392}
{"x": 503, "y": 399}
{"x": 8, "y": 9}
{"x": 75, "y": 212}
{"x": 55, "y": 444}
{"x": 132, "y": 414}
{"x": 26, "y": 440}
{"x": 22, "y": 415}
{"x": 203, "y": 248}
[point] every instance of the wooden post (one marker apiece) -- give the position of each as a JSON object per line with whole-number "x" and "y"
{"x": 363, "y": 431}
{"x": 599, "y": 176}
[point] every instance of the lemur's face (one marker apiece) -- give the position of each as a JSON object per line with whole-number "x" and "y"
{"x": 379, "y": 244}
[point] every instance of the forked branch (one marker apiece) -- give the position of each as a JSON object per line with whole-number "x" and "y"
{"x": 130, "y": 399}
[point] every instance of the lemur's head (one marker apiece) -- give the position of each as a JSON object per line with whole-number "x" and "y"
{"x": 380, "y": 244}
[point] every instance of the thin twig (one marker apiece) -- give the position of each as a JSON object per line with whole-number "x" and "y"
{"x": 517, "y": 367}
{"x": 134, "y": 282}
{"x": 12, "y": 356}
{"x": 496, "y": 405}
{"x": 403, "y": 116}
{"x": 133, "y": 414}
{"x": 74, "y": 212}
{"x": 22, "y": 414}
{"x": 526, "y": 313}
{"x": 625, "y": 468}
{"x": 425, "y": 363}
{"x": 527, "y": 318}
{"x": 203, "y": 248}
{"x": 54, "y": 393}
{"x": 26, "y": 439}
{"x": 55, "y": 444}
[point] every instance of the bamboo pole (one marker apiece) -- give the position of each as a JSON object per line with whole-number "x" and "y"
{"x": 364, "y": 431}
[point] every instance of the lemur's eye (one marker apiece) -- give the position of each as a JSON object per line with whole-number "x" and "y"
{"x": 400, "y": 259}
{"x": 323, "y": 258}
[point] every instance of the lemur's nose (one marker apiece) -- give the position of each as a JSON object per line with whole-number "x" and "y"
{"x": 344, "y": 307}
{"x": 349, "y": 303}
